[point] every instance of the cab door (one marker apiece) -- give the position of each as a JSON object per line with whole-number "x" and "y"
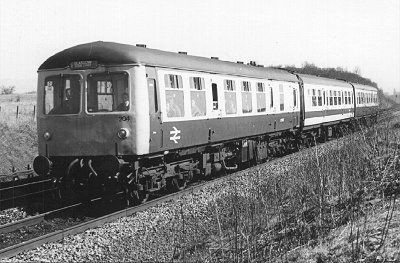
{"x": 156, "y": 132}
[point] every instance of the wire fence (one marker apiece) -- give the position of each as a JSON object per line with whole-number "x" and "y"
{"x": 19, "y": 110}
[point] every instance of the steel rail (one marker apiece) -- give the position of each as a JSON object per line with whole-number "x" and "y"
{"x": 29, "y": 194}
{"x": 33, "y": 220}
{"x": 25, "y": 185}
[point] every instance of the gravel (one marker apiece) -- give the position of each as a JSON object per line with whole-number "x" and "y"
{"x": 12, "y": 215}
{"x": 174, "y": 230}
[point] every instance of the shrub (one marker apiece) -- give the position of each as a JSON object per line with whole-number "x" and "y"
{"x": 7, "y": 90}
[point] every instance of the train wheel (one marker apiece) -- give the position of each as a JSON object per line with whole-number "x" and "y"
{"x": 67, "y": 191}
{"x": 175, "y": 184}
{"x": 139, "y": 197}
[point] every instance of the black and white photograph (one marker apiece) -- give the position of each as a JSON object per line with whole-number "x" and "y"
{"x": 200, "y": 131}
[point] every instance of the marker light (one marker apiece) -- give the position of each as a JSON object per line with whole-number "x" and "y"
{"x": 123, "y": 133}
{"x": 46, "y": 136}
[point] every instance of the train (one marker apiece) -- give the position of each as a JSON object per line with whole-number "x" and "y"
{"x": 116, "y": 116}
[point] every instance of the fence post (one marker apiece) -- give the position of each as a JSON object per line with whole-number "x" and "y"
{"x": 17, "y": 111}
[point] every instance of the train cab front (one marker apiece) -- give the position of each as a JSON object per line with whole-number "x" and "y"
{"x": 85, "y": 122}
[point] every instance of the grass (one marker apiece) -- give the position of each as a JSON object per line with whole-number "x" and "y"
{"x": 18, "y": 139}
{"x": 335, "y": 203}
{"x": 296, "y": 216}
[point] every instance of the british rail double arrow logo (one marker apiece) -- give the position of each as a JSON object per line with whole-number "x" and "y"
{"x": 175, "y": 136}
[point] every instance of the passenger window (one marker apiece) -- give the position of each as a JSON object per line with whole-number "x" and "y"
{"x": 230, "y": 97}
{"x": 339, "y": 98}
{"x": 314, "y": 98}
{"x": 330, "y": 98}
{"x": 261, "y": 99}
{"x": 174, "y": 96}
{"x": 324, "y": 97}
{"x": 272, "y": 97}
{"x": 319, "y": 98}
{"x": 246, "y": 97}
{"x": 335, "y": 98}
{"x": 197, "y": 96}
{"x": 294, "y": 98}
{"x": 281, "y": 98}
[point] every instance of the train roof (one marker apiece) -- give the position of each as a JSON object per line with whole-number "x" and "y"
{"x": 109, "y": 53}
{"x": 323, "y": 81}
{"x": 364, "y": 87}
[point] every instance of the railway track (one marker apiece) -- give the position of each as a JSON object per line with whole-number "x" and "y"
{"x": 98, "y": 221}
{"x": 20, "y": 193}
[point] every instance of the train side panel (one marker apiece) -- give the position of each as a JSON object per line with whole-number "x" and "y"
{"x": 326, "y": 101}
{"x": 366, "y": 100}
{"x": 227, "y": 111}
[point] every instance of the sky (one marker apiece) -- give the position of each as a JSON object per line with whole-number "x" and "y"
{"x": 350, "y": 34}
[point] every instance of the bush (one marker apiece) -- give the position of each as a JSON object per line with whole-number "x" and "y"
{"x": 7, "y": 90}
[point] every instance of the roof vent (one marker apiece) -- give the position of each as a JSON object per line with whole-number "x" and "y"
{"x": 141, "y": 45}
{"x": 252, "y": 63}
{"x": 240, "y": 62}
{"x": 261, "y": 66}
{"x": 182, "y": 52}
{"x": 216, "y": 58}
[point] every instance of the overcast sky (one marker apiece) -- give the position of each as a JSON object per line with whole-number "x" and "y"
{"x": 340, "y": 33}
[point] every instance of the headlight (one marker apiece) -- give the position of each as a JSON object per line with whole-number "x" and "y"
{"x": 123, "y": 133}
{"x": 46, "y": 136}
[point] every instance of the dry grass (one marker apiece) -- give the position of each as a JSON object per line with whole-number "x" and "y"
{"x": 336, "y": 204}
{"x": 18, "y": 143}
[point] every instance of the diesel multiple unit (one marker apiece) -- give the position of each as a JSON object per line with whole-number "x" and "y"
{"x": 146, "y": 120}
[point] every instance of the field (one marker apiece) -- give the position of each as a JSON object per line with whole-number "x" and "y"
{"x": 18, "y": 143}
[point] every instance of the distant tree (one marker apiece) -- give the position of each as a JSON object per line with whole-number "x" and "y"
{"x": 7, "y": 90}
{"x": 332, "y": 73}
{"x": 357, "y": 70}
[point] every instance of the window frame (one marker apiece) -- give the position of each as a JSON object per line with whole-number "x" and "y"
{"x": 128, "y": 90}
